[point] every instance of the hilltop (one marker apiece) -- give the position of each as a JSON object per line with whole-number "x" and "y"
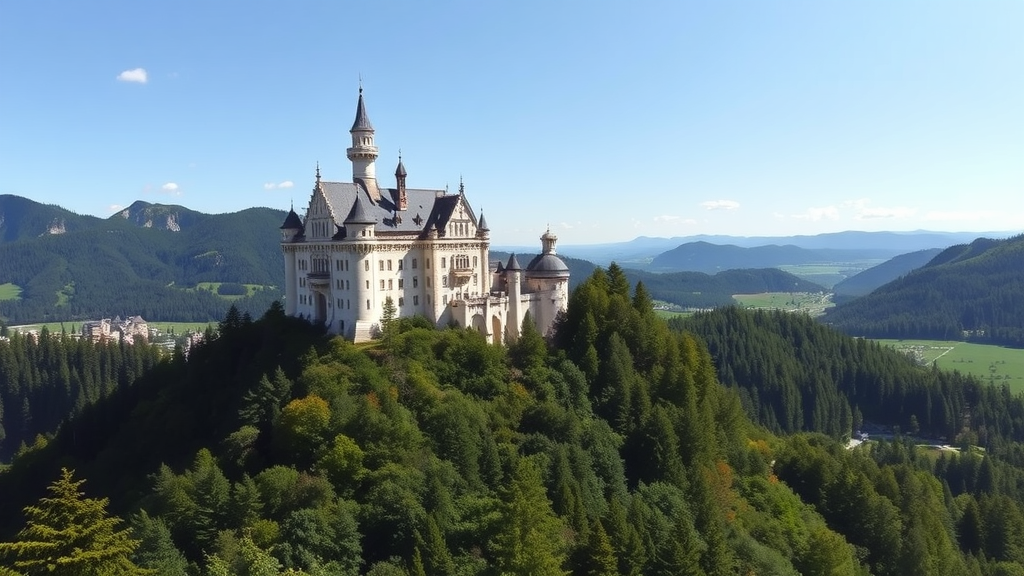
{"x": 970, "y": 291}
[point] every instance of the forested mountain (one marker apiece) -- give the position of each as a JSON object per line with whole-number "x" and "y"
{"x": 711, "y": 258}
{"x": 973, "y": 291}
{"x": 23, "y": 219}
{"x": 613, "y": 449}
{"x": 864, "y": 282}
{"x": 138, "y": 262}
{"x": 700, "y": 290}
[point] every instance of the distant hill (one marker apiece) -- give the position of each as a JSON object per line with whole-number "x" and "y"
{"x": 711, "y": 258}
{"x": 138, "y": 261}
{"x": 973, "y": 291}
{"x": 866, "y": 281}
{"x": 642, "y": 249}
{"x": 23, "y": 219}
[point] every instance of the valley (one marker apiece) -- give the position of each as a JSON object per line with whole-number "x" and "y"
{"x": 988, "y": 363}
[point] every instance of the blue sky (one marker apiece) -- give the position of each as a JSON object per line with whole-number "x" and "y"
{"x": 602, "y": 120}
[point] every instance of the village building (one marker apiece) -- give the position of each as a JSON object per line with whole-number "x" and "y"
{"x": 362, "y": 245}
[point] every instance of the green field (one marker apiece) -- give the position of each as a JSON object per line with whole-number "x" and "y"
{"x": 993, "y": 364}
{"x": 214, "y": 286}
{"x": 810, "y": 302}
{"x": 10, "y": 292}
{"x": 828, "y": 275}
{"x": 76, "y": 327}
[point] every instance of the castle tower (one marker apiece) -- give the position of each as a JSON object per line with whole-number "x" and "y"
{"x": 363, "y": 152}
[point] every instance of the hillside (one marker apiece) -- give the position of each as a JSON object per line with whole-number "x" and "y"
{"x": 616, "y": 451}
{"x": 971, "y": 291}
{"x": 864, "y": 282}
{"x": 138, "y": 261}
{"x": 710, "y": 258}
{"x": 23, "y": 219}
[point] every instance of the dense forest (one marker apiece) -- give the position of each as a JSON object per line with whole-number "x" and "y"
{"x": 612, "y": 449}
{"x": 971, "y": 291}
{"x": 102, "y": 268}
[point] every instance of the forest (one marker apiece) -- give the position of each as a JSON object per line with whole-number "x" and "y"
{"x": 968, "y": 292}
{"x": 622, "y": 445}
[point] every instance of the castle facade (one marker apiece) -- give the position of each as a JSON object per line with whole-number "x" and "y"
{"x": 365, "y": 251}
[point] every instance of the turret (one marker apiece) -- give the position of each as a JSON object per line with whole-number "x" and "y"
{"x": 363, "y": 152}
{"x": 403, "y": 201}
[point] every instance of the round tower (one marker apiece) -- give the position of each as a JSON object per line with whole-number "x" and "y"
{"x": 363, "y": 152}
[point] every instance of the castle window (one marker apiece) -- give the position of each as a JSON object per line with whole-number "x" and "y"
{"x": 474, "y": 261}
{"x": 413, "y": 263}
{"x": 444, "y": 300}
{"x": 367, "y": 284}
{"x": 428, "y": 299}
{"x": 389, "y": 284}
{"x": 444, "y": 281}
{"x": 400, "y": 264}
{"x": 401, "y": 283}
{"x": 474, "y": 279}
{"x": 428, "y": 263}
{"x": 415, "y": 300}
{"x": 389, "y": 265}
{"x": 443, "y": 263}
{"x": 429, "y": 282}
{"x": 348, "y": 285}
{"x": 339, "y": 302}
{"x": 415, "y": 281}
{"x": 367, "y": 304}
{"x": 366, "y": 265}
{"x": 381, "y": 284}
{"x": 401, "y": 301}
{"x": 381, "y": 265}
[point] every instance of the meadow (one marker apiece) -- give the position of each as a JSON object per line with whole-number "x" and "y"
{"x": 213, "y": 287}
{"x": 988, "y": 363}
{"x": 812, "y": 303}
{"x": 10, "y": 291}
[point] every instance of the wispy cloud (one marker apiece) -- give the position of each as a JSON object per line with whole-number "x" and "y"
{"x": 720, "y": 205}
{"x": 667, "y": 218}
{"x": 137, "y": 75}
{"x": 280, "y": 185}
{"x": 115, "y": 208}
{"x": 814, "y": 214}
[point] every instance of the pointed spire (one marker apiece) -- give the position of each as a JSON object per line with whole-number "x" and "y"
{"x": 462, "y": 187}
{"x": 482, "y": 224}
{"x": 400, "y": 171}
{"x": 362, "y": 121}
{"x": 513, "y": 263}
{"x": 318, "y": 171}
{"x": 358, "y": 213}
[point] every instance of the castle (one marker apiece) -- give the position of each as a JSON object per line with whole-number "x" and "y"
{"x": 364, "y": 252}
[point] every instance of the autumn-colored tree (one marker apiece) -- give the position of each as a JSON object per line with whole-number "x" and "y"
{"x": 68, "y": 534}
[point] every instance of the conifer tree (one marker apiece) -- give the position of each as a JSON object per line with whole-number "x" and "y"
{"x": 67, "y": 534}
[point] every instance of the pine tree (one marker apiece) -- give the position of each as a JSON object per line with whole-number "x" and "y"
{"x": 67, "y": 534}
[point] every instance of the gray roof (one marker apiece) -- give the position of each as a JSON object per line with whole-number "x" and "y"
{"x": 547, "y": 266}
{"x": 358, "y": 215}
{"x": 400, "y": 171}
{"x": 513, "y": 263}
{"x": 292, "y": 221}
{"x": 362, "y": 121}
{"x": 424, "y": 208}
{"x": 482, "y": 225}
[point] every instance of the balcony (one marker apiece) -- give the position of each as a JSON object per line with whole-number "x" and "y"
{"x": 319, "y": 279}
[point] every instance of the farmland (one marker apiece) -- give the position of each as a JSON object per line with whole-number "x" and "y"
{"x": 992, "y": 364}
{"x": 10, "y": 292}
{"x": 809, "y": 302}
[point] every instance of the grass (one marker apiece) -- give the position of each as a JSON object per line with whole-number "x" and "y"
{"x": 10, "y": 291}
{"x": 989, "y": 363}
{"x": 810, "y": 302}
{"x": 212, "y": 287}
{"x": 828, "y": 275}
{"x": 76, "y": 326}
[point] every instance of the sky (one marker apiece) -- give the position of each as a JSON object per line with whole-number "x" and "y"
{"x": 600, "y": 120}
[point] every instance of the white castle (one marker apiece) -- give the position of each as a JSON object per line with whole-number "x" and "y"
{"x": 426, "y": 250}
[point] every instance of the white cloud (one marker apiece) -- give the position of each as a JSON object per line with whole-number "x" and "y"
{"x": 858, "y": 204}
{"x": 171, "y": 188}
{"x": 276, "y": 186}
{"x": 138, "y": 75}
{"x": 115, "y": 208}
{"x": 720, "y": 205}
{"x": 815, "y": 214}
{"x": 667, "y": 218}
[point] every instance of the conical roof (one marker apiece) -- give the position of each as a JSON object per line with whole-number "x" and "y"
{"x": 292, "y": 221}
{"x": 362, "y": 121}
{"x": 482, "y": 224}
{"x": 513, "y": 263}
{"x": 400, "y": 171}
{"x": 358, "y": 215}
